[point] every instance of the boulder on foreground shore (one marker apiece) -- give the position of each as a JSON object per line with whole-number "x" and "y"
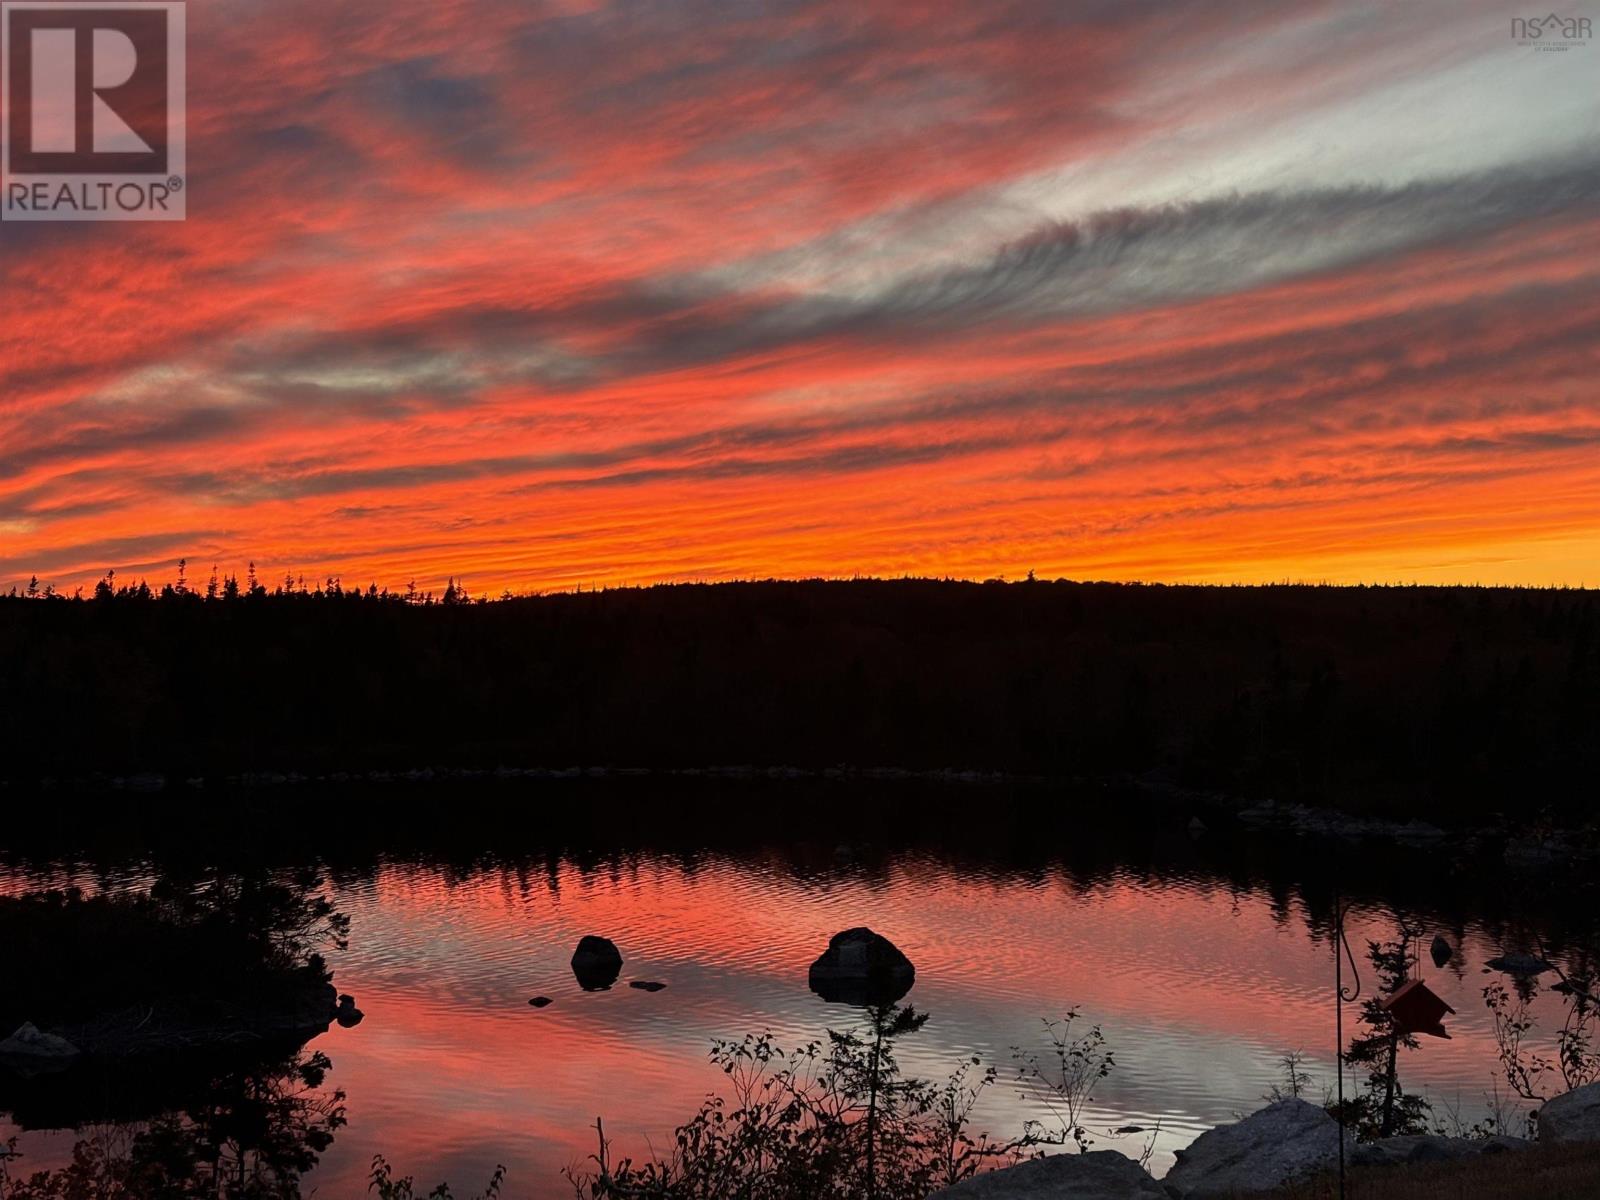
{"x": 1098, "y": 1175}
{"x": 862, "y": 967}
{"x": 1573, "y": 1117}
{"x": 1267, "y": 1149}
{"x": 1429, "y": 1147}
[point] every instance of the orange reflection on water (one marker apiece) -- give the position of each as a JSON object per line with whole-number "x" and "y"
{"x": 1200, "y": 990}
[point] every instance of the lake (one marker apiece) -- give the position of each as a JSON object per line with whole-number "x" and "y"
{"x": 1204, "y": 958}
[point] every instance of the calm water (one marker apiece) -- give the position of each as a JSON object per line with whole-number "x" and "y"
{"x": 1201, "y": 986}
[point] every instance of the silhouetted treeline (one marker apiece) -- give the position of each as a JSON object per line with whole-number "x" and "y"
{"x": 1433, "y": 701}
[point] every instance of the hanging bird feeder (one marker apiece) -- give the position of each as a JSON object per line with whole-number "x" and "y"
{"x": 1415, "y": 1009}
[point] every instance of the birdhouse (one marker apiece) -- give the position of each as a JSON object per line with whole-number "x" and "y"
{"x": 1415, "y": 1009}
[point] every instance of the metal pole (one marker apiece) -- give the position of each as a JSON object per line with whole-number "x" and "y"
{"x": 1338, "y": 1023}
{"x": 1342, "y": 995}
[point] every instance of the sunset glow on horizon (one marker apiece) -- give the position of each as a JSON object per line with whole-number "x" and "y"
{"x": 549, "y": 295}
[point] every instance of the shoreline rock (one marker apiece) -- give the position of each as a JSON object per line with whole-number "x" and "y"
{"x": 1572, "y": 1117}
{"x": 1269, "y": 1148}
{"x": 1098, "y": 1175}
{"x": 1429, "y": 1147}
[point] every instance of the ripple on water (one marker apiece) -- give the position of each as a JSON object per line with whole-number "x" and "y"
{"x": 1200, "y": 989}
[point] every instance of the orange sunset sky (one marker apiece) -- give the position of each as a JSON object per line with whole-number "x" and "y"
{"x": 541, "y": 295}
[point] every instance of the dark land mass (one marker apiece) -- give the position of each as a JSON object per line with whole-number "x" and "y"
{"x": 1453, "y": 704}
{"x": 196, "y": 964}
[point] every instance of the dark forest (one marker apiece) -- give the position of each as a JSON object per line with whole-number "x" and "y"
{"x": 1441, "y": 702}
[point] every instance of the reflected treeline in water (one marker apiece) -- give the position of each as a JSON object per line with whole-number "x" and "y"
{"x": 223, "y": 1126}
{"x": 1081, "y": 838}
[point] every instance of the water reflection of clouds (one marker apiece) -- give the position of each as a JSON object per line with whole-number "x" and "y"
{"x": 1200, "y": 987}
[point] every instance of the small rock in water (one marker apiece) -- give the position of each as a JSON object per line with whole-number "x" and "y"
{"x": 596, "y": 962}
{"x": 1197, "y": 827}
{"x": 347, "y": 1014}
{"x": 1440, "y": 950}
{"x": 1524, "y": 966}
{"x": 539, "y": 1001}
{"x": 647, "y": 985}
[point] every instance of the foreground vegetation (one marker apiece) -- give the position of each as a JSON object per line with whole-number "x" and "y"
{"x": 1436, "y": 702}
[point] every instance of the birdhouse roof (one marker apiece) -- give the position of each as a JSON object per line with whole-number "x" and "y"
{"x": 1416, "y": 992}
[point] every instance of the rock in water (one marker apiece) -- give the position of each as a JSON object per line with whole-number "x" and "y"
{"x": 1098, "y": 1175}
{"x": 540, "y": 1001}
{"x": 31, "y": 1044}
{"x": 1441, "y": 951}
{"x": 596, "y": 962}
{"x": 647, "y": 985}
{"x": 862, "y": 967}
{"x": 1523, "y": 966}
{"x": 1572, "y": 1117}
{"x": 347, "y": 1014}
{"x": 1266, "y": 1150}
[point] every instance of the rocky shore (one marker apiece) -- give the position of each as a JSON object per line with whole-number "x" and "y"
{"x": 1286, "y": 1142}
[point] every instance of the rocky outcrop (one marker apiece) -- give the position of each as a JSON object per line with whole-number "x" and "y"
{"x": 1098, "y": 1175}
{"x": 1573, "y": 1117}
{"x": 1423, "y": 1147}
{"x": 292, "y": 1010}
{"x": 862, "y": 967}
{"x": 596, "y": 963}
{"x": 31, "y": 1046}
{"x": 1267, "y": 1149}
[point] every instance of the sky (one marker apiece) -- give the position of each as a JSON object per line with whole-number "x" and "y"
{"x": 572, "y": 294}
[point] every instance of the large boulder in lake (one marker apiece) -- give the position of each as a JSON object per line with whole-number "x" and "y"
{"x": 597, "y": 963}
{"x": 1267, "y": 1149}
{"x": 1572, "y": 1117}
{"x": 1098, "y": 1175}
{"x": 862, "y": 967}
